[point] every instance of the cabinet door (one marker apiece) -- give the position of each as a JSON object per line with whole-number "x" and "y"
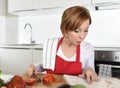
{"x": 2, "y": 7}
{"x": 60, "y": 3}
{"x": 15, "y": 61}
{"x": 37, "y": 55}
{"x": 22, "y": 5}
{"x": 103, "y": 1}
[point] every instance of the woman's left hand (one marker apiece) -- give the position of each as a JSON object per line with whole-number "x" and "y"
{"x": 89, "y": 75}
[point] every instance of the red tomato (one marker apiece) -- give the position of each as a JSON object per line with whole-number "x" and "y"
{"x": 16, "y": 86}
{"x": 30, "y": 81}
{"x": 47, "y": 79}
{"x": 16, "y": 82}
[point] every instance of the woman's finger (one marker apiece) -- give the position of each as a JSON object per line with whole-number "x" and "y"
{"x": 88, "y": 78}
{"x": 81, "y": 75}
{"x": 29, "y": 71}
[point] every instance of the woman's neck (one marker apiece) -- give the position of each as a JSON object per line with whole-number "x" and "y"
{"x": 68, "y": 48}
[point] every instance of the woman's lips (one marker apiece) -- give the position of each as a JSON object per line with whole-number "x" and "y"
{"x": 79, "y": 42}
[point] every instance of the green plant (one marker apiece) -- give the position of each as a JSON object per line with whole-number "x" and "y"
{"x": 2, "y": 83}
{"x": 0, "y": 72}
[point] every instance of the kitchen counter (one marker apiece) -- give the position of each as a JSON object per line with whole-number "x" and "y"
{"x": 40, "y": 46}
{"x": 22, "y": 46}
{"x": 107, "y": 48}
{"x": 6, "y": 77}
{"x": 72, "y": 80}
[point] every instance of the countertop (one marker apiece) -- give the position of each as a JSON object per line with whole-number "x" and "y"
{"x": 6, "y": 77}
{"x": 103, "y": 82}
{"x": 103, "y": 48}
{"x": 40, "y": 46}
{"x": 22, "y": 46}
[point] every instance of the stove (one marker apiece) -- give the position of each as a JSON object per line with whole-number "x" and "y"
{"x": 108, "y": 57}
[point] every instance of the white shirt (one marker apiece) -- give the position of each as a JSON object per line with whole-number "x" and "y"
{"x": 86, "y": 55}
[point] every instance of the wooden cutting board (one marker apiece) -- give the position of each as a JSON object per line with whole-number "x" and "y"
{"x": 59, "y": 80}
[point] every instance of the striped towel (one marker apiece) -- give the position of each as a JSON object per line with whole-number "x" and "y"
{"x": 105, "y": 70}
{"x": 49, "y": 53}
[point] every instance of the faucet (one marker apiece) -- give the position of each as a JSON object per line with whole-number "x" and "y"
{"x": 28, "y": 24}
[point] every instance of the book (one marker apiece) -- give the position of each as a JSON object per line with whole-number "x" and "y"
{"x": 106, "y": 82}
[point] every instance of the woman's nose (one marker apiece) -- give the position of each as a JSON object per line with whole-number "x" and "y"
{"x": 81, "y": 35}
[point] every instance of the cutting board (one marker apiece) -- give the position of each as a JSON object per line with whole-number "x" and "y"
{"x": 59, "y": 80}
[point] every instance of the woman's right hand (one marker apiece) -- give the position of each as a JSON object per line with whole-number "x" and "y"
{"x": 31, "y": 70}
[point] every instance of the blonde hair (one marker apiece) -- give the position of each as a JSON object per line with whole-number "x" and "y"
{"x": 73, "y": 17}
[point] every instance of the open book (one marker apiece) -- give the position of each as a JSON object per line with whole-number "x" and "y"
{"x": 102, "y": 83}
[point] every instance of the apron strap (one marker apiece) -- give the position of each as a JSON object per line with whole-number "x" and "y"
{"x": 78, "y": 53}
{"x": 59, "y": 43}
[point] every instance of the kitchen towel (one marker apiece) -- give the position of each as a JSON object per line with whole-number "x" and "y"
{"x": 105, "y": 70}
{"x": 49, "y": 53}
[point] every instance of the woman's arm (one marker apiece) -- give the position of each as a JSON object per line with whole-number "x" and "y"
{"x": 89, "y": 70}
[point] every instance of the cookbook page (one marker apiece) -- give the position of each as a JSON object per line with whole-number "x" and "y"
{"x": 102, "y": 83}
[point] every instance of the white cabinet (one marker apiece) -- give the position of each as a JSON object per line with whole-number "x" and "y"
{"x": 37, "y": 55}
{"x": 15, "y": 61}
{"x": 61, "y": 3}
{"x": 3, "y": 7}
{"x": 22, "y": 5}
{"x": 104, "y": 1}
{"x": 41, "y": 6}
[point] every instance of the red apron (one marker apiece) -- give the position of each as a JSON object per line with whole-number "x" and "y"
{"x": 67, "y": 67}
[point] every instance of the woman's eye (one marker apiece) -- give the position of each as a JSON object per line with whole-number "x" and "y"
{"x": 86, "y": 31}
{"x": 76, "y": 31}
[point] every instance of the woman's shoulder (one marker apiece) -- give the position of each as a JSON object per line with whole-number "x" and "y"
{"x": 53, "y": 38}
{"x": 86, "y": 45}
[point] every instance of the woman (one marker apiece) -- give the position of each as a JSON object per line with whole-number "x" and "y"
{"x": 73, "y": 55}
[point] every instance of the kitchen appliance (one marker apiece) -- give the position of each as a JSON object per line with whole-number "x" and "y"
{"x": 108, "y": 56}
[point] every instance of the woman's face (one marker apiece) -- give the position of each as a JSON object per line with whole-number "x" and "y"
{"x": 77, "y": 36}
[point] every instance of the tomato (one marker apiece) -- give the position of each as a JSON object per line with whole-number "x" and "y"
{"x": 16, "y": 82}
{"x": 16, "y": 86}
{"x": 47, "y": 79}
{"x": 30, "y": 81}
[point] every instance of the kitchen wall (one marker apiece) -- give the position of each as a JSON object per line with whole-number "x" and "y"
{"x": 11, "y": 30}
{"x": 2, "y": 29}
{"x": 8, "y": 30}
{"x": 43, "y": 27}
{"x": 104, "y": 30}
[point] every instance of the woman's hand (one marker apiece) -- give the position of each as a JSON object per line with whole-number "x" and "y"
{"x": 89, "y": 75}
{"x": 31, "y": 70}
